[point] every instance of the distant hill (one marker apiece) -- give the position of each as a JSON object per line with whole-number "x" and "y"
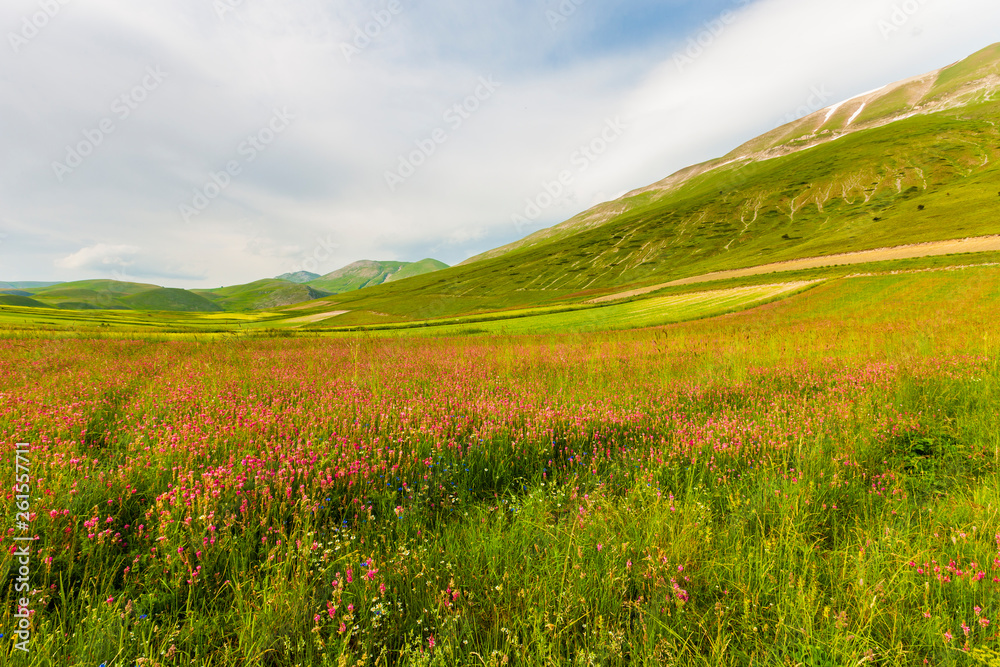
{"x": 19, "y": 300}
{"x": 24, "y": 284}
{"x": 171, "y": 299}
{"x": 417, "y": 269}
{"x": 262, "y": 295}
{"x": 298, "y": 277}
{"x": 287, "y": 290}
{"x": 368, "y": 273}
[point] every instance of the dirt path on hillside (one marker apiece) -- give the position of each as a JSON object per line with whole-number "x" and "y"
{"x": 934, "y": 248}
{"x": 311, "y": 319}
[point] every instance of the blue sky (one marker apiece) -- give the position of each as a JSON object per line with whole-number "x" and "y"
{"x": 196, "y": 143}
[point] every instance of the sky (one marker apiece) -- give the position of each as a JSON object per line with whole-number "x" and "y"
{"x": 201, "y": 143}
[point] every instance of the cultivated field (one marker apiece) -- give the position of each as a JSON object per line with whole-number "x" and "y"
{"x": 810, "y": 482}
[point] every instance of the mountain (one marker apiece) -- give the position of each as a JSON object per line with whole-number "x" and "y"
{"x": 268, "y": 294}
{"x": 89, "y": 294}
{"x": 262, "y": 295}
{"x": 915, "y": 161}
{"x": 367, "y": 273}
{"x": 171, "y": 299}
{"x": 8, "y": 299}
{"x": 298, "y": 277}
{"x": 943, "y": 93}
{"x": 417, "y": 269}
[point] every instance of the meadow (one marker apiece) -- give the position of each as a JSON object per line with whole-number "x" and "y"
{"x": 810, "y": 482}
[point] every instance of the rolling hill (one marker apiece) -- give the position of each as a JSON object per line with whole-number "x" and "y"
{"x": 262, "y": 295}
{"x": 913, "y": 162}
{"x": 288, "y": 290}
{"x": 298, "y": 277}
{"x": 367, "y": 273}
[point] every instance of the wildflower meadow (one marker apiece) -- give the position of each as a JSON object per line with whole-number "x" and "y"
{"x": 766, "y": 488}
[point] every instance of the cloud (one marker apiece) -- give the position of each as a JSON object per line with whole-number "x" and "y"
{"x": 99, "y": 257}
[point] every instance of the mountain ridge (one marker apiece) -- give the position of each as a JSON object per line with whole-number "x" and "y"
{"x": 860, "y": 113}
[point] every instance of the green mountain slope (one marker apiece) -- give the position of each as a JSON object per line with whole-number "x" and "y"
{"x": 119, "y": 295}
{"x": 89, "y": 294}
{"x": 262, "y": 295}
{"x": 417, "y": 269}
{"x": 367, "y": 273}
{"x": 171, "y": 299}
{"x": 298, "y": 277}
{"x": 20, "y": 300}
{"x": 915, "y": 161}
{"x": 972, "y": 81}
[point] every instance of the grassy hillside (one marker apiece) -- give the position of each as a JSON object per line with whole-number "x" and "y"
{"x": 21, "y": 300}
{"x": 925, "y": 178}
{"x": 367, "y": 273}
{"x": 417, "y": 269}
{"x": 262, "y": 295}
{"x": 170, "y": 299}
{"x": 299, "y": 277}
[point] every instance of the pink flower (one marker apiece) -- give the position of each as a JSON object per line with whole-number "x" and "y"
{"x": 599, "y": 546}
{"x": 983, "y": 622}
{"x": 430, "y": 641}
{"x": 947, "y": 636}
{"x": 350, "y": 576}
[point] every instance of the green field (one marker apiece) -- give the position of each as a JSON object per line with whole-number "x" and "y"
{"x": 813, "y": 481}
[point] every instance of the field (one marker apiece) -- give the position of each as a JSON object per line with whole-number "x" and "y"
{"x": 813, "y": 481}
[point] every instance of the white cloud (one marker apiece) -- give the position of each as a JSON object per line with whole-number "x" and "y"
{"x": 99, "y": 257}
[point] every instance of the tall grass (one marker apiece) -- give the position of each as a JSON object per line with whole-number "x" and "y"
{"x": 797, "y": 485}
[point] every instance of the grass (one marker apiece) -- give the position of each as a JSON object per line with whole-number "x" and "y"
{"x": 814, "y": 481}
